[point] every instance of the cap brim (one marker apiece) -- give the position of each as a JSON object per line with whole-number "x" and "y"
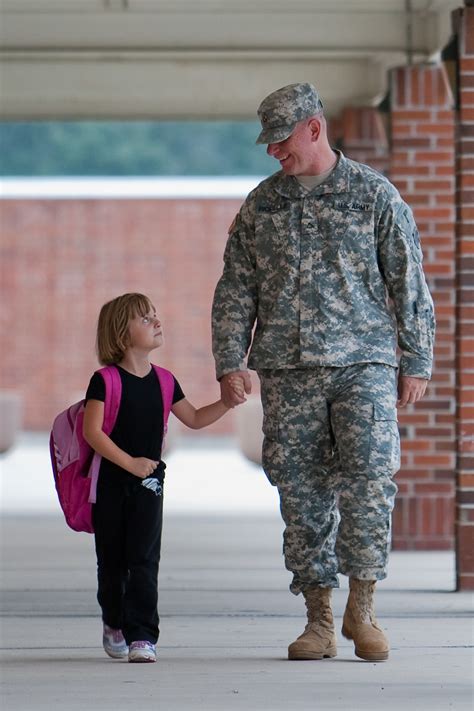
{"x": 275, "y": 135}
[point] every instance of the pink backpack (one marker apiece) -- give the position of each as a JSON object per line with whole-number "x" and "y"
{"x": 75, "y": 464}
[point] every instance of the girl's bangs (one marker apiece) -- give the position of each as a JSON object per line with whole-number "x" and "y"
{"x": 142, "y": 305}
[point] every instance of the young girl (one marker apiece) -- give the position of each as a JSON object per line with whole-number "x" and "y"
{"x": 127, "y": 515}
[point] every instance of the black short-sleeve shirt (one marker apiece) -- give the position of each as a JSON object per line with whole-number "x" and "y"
{"x": 138, "y": 429}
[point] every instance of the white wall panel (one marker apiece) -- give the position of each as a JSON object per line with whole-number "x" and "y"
{"x": 202, "y": 58}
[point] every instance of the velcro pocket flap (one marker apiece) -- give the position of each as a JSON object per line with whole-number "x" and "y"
{"x": 384, "y": 412}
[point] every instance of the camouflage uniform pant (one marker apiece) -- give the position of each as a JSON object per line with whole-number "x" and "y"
{"x": 331, "y": 446}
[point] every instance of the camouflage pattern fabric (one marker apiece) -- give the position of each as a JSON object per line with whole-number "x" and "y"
{"x": 332, "y": 281}
{"x": 281, "y": 110}
{"x": 314, "y": 270}
{"x": 331, "y": 446}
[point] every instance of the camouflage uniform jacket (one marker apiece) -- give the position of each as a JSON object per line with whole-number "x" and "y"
{"x": 332, "y": 277}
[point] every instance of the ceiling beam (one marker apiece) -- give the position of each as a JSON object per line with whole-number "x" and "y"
{"x": 212, "y": 59}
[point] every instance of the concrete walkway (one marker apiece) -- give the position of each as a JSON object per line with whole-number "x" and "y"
{"x": 226, "y": 620}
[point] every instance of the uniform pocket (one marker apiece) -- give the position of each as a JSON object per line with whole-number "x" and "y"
{"x": 384, "y": 440}
{"x": 273, "y": 456}
{"x": 287, "y": 449}
{"x": 346, "y": 230}
{"x": 304, "y": 433}
{"x": 367, "y": 436}
{"x": 270, "y": 238}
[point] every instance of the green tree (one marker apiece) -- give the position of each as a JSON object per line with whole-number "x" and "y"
{"x": 93, "y": 148}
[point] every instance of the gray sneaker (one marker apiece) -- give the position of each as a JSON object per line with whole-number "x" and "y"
{"x": 142, "y": 651}
{"x": 114, "y": 643}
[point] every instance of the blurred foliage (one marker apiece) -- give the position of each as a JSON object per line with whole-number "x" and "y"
{"x": 93, "y": 148}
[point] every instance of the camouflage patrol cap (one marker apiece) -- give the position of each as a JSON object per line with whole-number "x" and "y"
{"x": 280, "y": 111}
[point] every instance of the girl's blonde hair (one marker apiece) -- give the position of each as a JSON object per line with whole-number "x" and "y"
{"x": 112, "y": 328}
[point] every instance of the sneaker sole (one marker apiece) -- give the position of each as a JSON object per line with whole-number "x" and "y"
{"x": 116, "y": 655}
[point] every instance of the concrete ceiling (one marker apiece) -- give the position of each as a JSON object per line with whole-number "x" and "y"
{"x": 204, "y": 59}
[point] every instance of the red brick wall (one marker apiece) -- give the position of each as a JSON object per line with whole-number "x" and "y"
{"x": 464, "y": 73}
{"x": 62, "y": 259}
{"x": 363, "y": 137}
{"x": 422, "y": 167}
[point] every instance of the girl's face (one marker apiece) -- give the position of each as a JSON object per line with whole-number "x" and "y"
{"x": 145, "y": 331}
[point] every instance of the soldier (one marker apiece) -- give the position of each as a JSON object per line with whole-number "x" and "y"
{"x": 324, "y": 259}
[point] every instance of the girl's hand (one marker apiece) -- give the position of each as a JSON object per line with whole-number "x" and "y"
{"x": 231, "y": 383}
{"x": 237, "y": 385}
{"x": 142, "y": 467}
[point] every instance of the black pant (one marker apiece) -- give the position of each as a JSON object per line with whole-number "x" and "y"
{"x": 128, "y": 521}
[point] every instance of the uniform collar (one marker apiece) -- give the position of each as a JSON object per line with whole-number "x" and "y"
{"x": 338, "y": 182}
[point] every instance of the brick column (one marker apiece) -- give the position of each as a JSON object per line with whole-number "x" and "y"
{"x": 463, "y": 22}
{"x": 334, "y": 127}
{"x": 422, "y": 167}
{"x": 363, "y": 136}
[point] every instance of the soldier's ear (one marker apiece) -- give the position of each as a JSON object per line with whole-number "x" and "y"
{"x": 315, "y": 128}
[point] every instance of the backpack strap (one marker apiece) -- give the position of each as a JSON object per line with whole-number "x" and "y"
{"x": 166, "y": 381}
{"x": 113, "y": 394}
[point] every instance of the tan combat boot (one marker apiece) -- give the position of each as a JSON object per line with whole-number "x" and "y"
{"x": 319, "y": 638}
{"x": 360, "y": 625}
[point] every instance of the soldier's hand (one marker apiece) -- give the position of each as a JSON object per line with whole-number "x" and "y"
{"x": 232, "y": 396}
{"x": 410, "y": 389}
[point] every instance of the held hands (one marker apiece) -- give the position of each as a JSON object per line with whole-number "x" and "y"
{"x": 234, "y": 387}
{"x": 142, "y": 467}
{"x": 410, "y": 390}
